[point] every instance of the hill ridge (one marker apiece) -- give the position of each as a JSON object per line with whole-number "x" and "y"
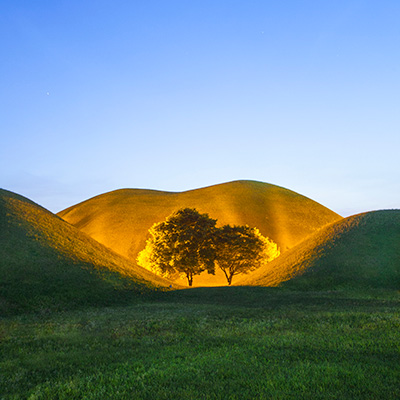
{"x": 168, "y": 192}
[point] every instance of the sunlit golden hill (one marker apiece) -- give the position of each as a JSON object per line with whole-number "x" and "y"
{"x": 121, "y": 219}
{"x": 47, "y": 263}
{"x": 359, "y": 251}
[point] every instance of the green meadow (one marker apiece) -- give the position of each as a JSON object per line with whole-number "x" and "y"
{"x": 78, "y": 320}
{"x": 209, "y": 343}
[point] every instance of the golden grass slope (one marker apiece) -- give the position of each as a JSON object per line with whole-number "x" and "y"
{"x": 359, "y": 251}
{"x": 121, "y": 219}
{"x": 43, "y": 257}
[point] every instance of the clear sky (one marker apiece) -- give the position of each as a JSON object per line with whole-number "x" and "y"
{"x": 181, "y": 94}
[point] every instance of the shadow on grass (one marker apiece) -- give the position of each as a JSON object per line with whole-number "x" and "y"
{"x": 275, "y": 298}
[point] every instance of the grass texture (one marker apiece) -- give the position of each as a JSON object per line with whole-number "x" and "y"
{"x": 79, "y": 321}
{"x": 46, "y": 263}
{"x": 209, "y": 343}
{"x": 359, "y": 251}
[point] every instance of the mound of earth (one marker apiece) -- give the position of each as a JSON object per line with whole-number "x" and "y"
{"x": 359, "y": 251}
{"x": 47, "y": 263}
{"x": 121, "y": 219}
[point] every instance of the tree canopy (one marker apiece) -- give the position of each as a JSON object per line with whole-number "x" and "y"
{"x": 188, "y": 243}
{"x": 182, "y": 244}
{"x": 240, "y": 249}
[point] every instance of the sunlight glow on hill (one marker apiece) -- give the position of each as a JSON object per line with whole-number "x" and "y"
{"x": 121, "y": 219}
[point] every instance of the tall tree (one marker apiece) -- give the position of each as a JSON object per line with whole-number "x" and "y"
{"x": 182, "y": 244}
{"x": 240, "y": 249}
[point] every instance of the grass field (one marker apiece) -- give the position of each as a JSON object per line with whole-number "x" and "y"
{"x": 79, "y": 321}
{"x": 209, "y": 343}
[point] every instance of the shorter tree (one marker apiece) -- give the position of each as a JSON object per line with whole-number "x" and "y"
{"x": 182, "y": 244}
{"x": 240, "y": 249}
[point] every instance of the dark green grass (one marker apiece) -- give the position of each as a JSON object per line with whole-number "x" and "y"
{"x": 362, "y": 251}
{"x": 214, "y": 343}
{"x": 46, "y": 264}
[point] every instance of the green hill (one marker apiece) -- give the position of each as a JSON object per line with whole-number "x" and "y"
{"x": 121, "y": 219}
{"x": 47, "y": 263}
{"x": 362, "y": 251}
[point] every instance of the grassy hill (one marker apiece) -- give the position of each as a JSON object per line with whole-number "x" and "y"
{"x": 121, "y": 219}
{"x": 359, "y": 251}
{"x": 47, "y": 263}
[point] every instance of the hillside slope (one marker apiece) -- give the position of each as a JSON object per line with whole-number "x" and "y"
{"x": 47, "y": 263}
{"x": 359, "y": 251}
{"x": 121, "y": 219}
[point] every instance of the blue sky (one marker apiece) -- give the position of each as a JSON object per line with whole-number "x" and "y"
{"x": 177, "y": 95}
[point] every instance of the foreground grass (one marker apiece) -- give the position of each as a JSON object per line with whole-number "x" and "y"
{"x": 215, "y": 343}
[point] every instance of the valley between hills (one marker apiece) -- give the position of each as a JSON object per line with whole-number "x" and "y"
{"x": 94, "y": 244}
{"x": 81, "y": 319}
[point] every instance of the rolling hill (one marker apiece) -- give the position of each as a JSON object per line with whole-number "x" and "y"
{"x": 120, "y": 219}
{"x": 362, "y": 251}
{"x": 47, "y": 263}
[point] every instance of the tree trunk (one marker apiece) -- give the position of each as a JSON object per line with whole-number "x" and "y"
{"x": 226, "y": 275}
{"x": 190, "y": 279}
{"x": 230, "y": 279}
